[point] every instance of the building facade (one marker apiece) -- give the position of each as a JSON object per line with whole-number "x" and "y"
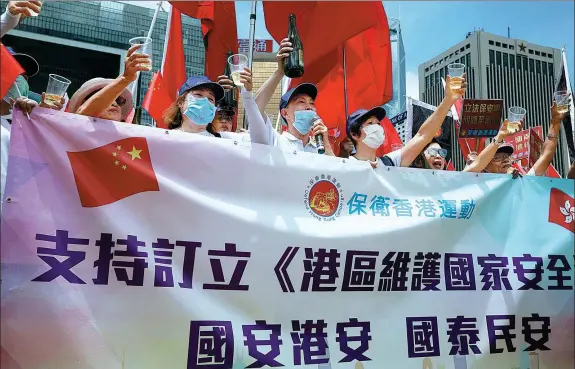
{"x": 398, "y": 102}
{"x": 264, "y": 65}
{"x": 520, "y": 73}
{"x": 81, "y": 40}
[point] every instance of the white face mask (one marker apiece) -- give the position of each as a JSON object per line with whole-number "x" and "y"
{"x": 374, "y": 136}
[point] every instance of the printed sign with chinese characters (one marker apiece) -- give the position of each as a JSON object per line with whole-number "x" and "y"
{"x": 116, "y": 255}
{"x": 520, "y": 142}
{"x": 480, "y": 118}
{"x": 261, "y": 46}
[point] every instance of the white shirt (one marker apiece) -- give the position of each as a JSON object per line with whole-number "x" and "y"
{"x": 263, "y": 132}
{"x": 228, "y": 135}
{"x": 395, "y": 157}
{"x": 4, "y": 150}
{"x": 7, "y": 22}
{"x": 531, "y": 172}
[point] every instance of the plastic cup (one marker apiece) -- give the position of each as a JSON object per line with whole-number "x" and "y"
{"x": 562, "y": 100}
{"x": 238, "y": 63}
{"x": 57, "y": 87}
{"x": 146, "y": 48}
{"x": 455, "y": 72}
{"x": 515, "y": 116}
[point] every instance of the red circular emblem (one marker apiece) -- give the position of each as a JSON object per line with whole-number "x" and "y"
{"x": 323, "y": 198}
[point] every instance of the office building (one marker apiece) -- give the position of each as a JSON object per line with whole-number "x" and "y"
{"x": 81, "y": 40}
{"x": 397, "y": 104}
{"x": 521, "y": 73}
{"x": 264, "y": 65}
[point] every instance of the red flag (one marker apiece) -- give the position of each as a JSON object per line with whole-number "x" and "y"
{"x": 392, "y": 139}
{"x": 174, "y": 75}
{"x": 322, "y": 25}
{"x": 157, "y": 100}
{"x": 10, "y": 70}
{"x": 450, "y": 166}
{"x": 219, "y": 30}
{"x": 561, "y": 209}
{"x": 113, "y": 172}
{"x": 368, "y": 72}
{"x": 552, "y": 172}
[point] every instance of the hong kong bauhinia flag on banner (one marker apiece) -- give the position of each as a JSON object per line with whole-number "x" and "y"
{"x": 562, "y": 209}
{"x": 113, "y": 172}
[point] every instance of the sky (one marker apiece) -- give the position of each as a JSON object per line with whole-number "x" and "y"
{"x": 430, "y": 27}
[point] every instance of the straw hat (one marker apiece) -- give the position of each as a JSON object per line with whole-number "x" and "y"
{"x": 96, "y": 84}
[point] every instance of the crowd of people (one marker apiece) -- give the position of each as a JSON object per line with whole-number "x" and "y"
{"x": 197, "y": 111}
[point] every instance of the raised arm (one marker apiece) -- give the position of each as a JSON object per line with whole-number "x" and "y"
{"x": 16, "y": 11}
{"x": 266, "y": 91}
{"x": 430, "y": 127}
{"x": 102, "y": 100}
{"x": 485, "y": 157}
{"x": 261, "y": 132}
{"x": 550, "y": 144}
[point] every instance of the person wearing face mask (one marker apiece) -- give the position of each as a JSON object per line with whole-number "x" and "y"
{"x": 362, "y": 127}
{"x": 298, "y": 113}
{"x": 195, "y": 109}
{"x": 367, "y": 135}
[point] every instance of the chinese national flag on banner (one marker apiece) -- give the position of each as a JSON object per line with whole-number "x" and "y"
{"x": 113, "y": 172}
{"x": 10, "y": 70}
{"x": 562, "y": 209}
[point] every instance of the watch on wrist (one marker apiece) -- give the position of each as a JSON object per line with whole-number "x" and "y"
{"x": 499, "y": 142}
{"x": 551, "y": 135}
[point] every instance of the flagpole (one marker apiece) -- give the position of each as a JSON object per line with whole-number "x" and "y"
{"x": 251, "y": 47}
{"x": 285, "y": 87}
{"x": 137, "y": 87}
{"x": 166, "y": 38}
{"x": 344, "y": 81}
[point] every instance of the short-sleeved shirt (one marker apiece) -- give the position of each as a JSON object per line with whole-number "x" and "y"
{"x": 393, "y": 159}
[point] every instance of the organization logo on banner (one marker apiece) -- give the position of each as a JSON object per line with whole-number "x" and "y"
{"x": 324, "y": 197}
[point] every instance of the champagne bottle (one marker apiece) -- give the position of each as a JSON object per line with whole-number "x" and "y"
{"x": 293, "y": 65}
{"x": 229, "y": 101}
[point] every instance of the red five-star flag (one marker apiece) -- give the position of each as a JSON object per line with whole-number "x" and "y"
{"x": 562, "y": 209}
{"x": 113, "y": 172}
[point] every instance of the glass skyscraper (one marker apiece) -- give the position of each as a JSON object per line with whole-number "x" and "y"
{"x": 81, "y": 40}
{"x": 397, "y": 104}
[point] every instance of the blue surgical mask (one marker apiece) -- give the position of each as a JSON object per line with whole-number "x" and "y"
{"x": 200, "y": 110}
{"x": 18, "y": 88}
{"x": 303, "y": 120}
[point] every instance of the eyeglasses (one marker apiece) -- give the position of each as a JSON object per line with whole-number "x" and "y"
{"x": 120, "y": 101}
{"x": 437, "y": 152}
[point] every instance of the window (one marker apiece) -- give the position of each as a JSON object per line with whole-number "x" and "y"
{"x": 524, "y": 62}
{"x": 537, "y": 53}
{"x": 550, "y": 69}
{"x": 498, "y": 58}
{"x": 468, "y": 60}
{"x": 530, "y": 51}
{"x": 538, "y": 66}
{"x": 467, "y": 46}
{"x": 511, "y": 61}
{"x": 511, "y": 47}
{"x": 504, "y": 46}
{"x": 491, "y": 57}
{"x": 490, "y": 42}
{"x": 427, "y": 69}
{"x": 505, "y": 60}
{"x": 531, "y": 65}
{"x": 544, "y": 68}
{"x": 462, "y": 49}
{"x": 498, "y": 44}
{"x": 441, "y": 73}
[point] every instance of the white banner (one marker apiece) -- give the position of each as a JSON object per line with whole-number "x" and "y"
{"x": 134, "y": 247}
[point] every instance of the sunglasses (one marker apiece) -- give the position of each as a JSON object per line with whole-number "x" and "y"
{"x": 120, "y": 101}
{"x": 437, "y": 152}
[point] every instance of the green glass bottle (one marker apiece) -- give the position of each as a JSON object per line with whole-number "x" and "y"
{"x": 293, "y": 65}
